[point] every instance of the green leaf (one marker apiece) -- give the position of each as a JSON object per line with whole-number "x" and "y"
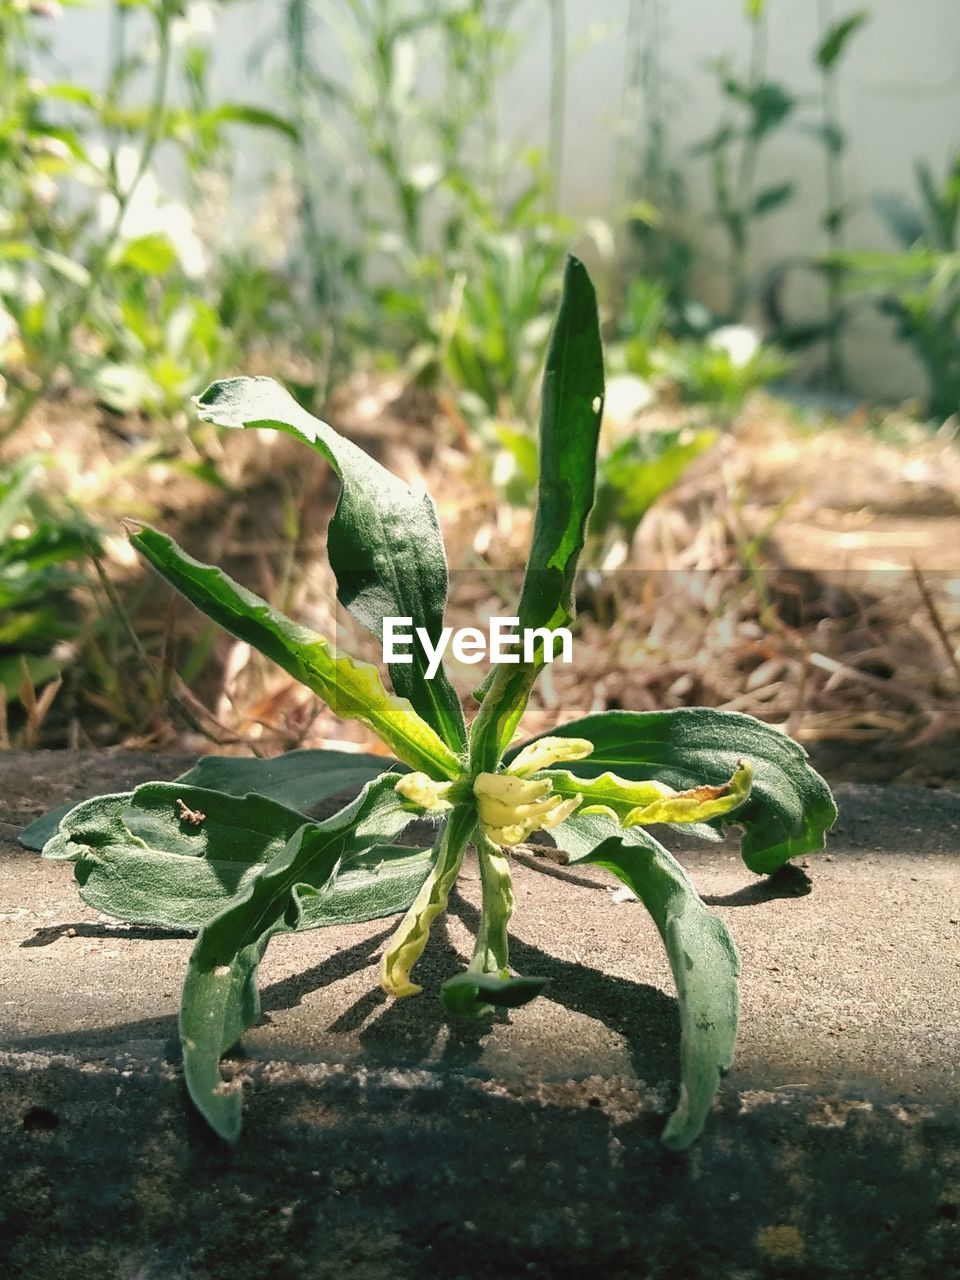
{"x": 469, "y": 994}
{"x": 137, "y": 858}
{"x": 300, "y": 780}
{"x": 383, "y": 543}
{"x": 769, "y": 103}
{"x": 789, "y": 809}
{"x": 381, "y": 881}
{"x": 220, "y": 998}
{"x": 254, "y": 117}
{"x": 638, "y": 472}
{"x": 702, "y": 957}
{"x": 570, "y": 414}
{"x": 352, "y": 690}
{"x": 772, "y": 198}
{"x": 834, "y": 42}
{"x": 152, "y": 254}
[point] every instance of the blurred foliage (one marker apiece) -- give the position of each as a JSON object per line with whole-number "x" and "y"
{"x": 39, "y": 550}
{"x": 638, "y": 471}
{"x": 453, "y": 255}
{"x": 919, "y": 286}
{"x": 101, "y": 275}
{"x": 404, "y": 227}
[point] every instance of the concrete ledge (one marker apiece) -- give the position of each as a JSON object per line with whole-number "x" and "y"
{"x": 381, "y": 1140}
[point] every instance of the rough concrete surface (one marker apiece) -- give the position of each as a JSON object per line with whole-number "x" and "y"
{"x": 381, "y": 1140}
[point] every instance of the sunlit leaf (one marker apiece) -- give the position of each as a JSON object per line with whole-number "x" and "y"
{"x": 352, "y": 690}
{"x": 570, "y": 415}
{"x": 299, "y": 779}
{"x": 137, "y": 857}
{"x": 469, "y": 994}
{"x": 790, "y": 807}
{"x": 383, "y": 543}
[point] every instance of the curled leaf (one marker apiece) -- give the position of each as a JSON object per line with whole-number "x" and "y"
{"x": 510, "y": 808}
{"x": 491, "y": 954}
{"x": 646, "y": 802}
{"x": 406, "y": 946}
{"x": 424, "y": 792}
{"x": 546, "y": 752}
{"x": 298, "y": 779}
{"x": 220, "y": 998}
{"x": 789, "y": 808}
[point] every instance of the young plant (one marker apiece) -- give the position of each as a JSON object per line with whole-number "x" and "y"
{"x": 918, "y": 286}
{"x": 227, "y": 850}
{"x": 755, "y": 108}
{"x": 834, "y": 38}
{"x": 40, "y": 547}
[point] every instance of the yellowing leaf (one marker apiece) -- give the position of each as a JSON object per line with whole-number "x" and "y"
{"x": 353, "y": 690}
{"x": 406, "y": 946}
{"x": 645, "y": 802}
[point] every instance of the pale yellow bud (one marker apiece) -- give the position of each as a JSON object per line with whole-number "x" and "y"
{"x": 510, "y": 808}
{"x": 549, "y": 751}
{"x": 422, "y": 791}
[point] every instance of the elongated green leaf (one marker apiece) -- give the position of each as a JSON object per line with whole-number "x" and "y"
{"x": 384, "y": 543}
{"x": 702, "y": 957}
{"x": 835, "y": 41}
{"x": 220, "y": 998}
{"x": 254, "y": 117}
{"x": 138, "y": 859}
{"x": 352, "y": 690}
{"x": 300, "y": 779}
{"x": 771, "y": 198}
{"x": 570, "y": 415}
{"x": 380, "y": 881}
{"x": 790, "y": 807}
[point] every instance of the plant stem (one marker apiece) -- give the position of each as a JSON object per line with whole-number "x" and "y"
{"x": 558, "y": 94}
{"x": 324, "y": 287}
{"x": 746, "y": 172}
{"x": 74, "y": 314}
{"x": 834, "y": 217}
{"x": 491, "y": 954}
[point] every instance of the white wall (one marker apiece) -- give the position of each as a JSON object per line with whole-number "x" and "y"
{"x": 900, "y": 101}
